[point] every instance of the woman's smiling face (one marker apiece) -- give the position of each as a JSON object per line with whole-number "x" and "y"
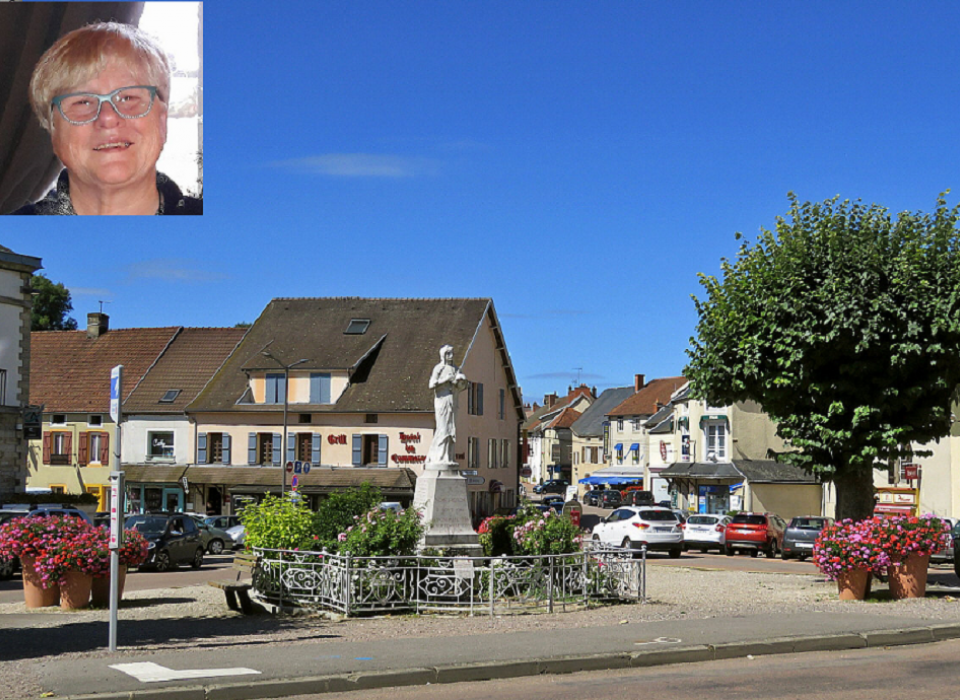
{"x": 111, "y": 152}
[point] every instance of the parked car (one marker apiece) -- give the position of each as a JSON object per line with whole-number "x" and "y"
{"x": 753, "y": 533}
{"x": 592, "y": 498}
{"x": 638, "y": 498}
{"x": 610, "y": 499}
{"x": 551, "y": 500}
{"x": 238, "y": 534}
{"x": 173, "y": 539}
{"x": 224, "y": 522}
{"x": 800, "y": 535}
{"x": 552, "y": 486}
{"x": 682, "y": 515}
{"x": 214, "y": 539}
{"x": 632, "y": 527}
{"x": 705, "y": 532}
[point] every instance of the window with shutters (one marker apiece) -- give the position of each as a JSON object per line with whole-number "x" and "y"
{"x": 214, "y": 448}
{"x": 501, "y": 411}
{"x": 305, "y": 447}
{"x": 371, "y": 450}
{"x": 275, "y": 388}
{"x": 59, "y": 448}
{"x": 319, "y": 388}
{"x": 492, "y": 453}
{"x": 97, "y": 445}
{"x": 473, "y": 453}
{"x": 505, "y": 457}
{"x": 265, "y": 449}
{"x": 475, "y": 398}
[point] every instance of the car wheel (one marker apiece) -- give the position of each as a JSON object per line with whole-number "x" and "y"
{"x": 197, "y": 559}
{"x": 785, "y": 556}
{"x": 675, "y": 553}
{"x": 686, "y": 548}
{"x": 215, "y": 547}
{"x": 596, "y": 538}
{"x": 626, "y": 543}
{"x": 753, "y": 553}
{"x": 163, "y": 561}
{"x": 728, "y": 551}
{"x": 801, "y": 557}
{"x": 772, "y": 550}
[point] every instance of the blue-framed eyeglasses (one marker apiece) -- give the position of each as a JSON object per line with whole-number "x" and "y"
{"x": 130, "y": 102}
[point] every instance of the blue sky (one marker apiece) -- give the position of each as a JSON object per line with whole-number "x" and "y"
{"x": 578, "y": 162}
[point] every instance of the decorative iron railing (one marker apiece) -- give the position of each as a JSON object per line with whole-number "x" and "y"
{"x": 480, "y": 585}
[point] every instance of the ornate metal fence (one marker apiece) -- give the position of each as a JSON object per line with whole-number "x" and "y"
{"x": 494, "y": 586}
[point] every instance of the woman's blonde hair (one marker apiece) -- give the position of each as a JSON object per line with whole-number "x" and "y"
{"x": 79, "y": 56}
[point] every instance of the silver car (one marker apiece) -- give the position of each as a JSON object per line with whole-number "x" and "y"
{"x": 705, "y": 532}
{"x": 213, "y": 538}
{"x": 631, "y": 527}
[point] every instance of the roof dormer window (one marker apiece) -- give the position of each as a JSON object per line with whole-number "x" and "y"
{"x": 358, "y": 326}
{"x": 170, "y": 396}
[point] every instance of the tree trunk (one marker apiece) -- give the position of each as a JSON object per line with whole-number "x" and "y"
{"x": 854, "y": 493}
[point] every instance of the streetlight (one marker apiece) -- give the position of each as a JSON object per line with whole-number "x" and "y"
{"x": 286, "y": 394}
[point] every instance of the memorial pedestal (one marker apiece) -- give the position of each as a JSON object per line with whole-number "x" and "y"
{"x": 441, "y": 497}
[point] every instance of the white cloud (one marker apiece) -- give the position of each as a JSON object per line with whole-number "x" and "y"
{"x": 362, "y": 165}
{"x": 171, "y": 270}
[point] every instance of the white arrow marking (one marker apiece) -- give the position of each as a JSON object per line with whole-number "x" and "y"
{"x": 661, "y": 640}
{"x": 149, "y": 672}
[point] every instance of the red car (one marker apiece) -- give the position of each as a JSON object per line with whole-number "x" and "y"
{"x": 755, "y": 532}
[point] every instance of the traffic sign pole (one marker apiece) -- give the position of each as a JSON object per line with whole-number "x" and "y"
{"x": 117, "y": 492}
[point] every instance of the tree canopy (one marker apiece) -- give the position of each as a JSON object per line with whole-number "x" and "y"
{"x": 51, "y": 306}
{"x": 844, "y": 324}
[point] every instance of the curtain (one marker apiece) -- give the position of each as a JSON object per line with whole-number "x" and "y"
{"x": 28, "y": 166}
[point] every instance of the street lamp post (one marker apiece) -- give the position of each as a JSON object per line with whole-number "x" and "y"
{"x": 286, "y": 397}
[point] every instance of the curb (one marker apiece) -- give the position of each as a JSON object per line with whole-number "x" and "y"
{"x": 466, "y": 673}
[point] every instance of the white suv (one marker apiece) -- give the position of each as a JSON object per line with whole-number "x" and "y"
{"x": 632, "y": 527}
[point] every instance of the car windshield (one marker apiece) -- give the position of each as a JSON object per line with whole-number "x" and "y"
{"x": 702, "y": 519}
{"x": 658, "y": 515}
{"x": 808, "y": 523}
{"x": 147, "y": 525}
{"x": 750, "y": 519}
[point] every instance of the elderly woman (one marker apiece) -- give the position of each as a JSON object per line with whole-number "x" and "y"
{"x": 102, "y": 92}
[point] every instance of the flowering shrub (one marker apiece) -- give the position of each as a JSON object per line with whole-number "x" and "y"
{"x": 877, "y": 543}
{"x": 80, "y": 547}
{"x": 548, "y": 534}
{"x": 381, "y": 533}
{"x": 30, "y": 535}
{"x": 278, "y": 523}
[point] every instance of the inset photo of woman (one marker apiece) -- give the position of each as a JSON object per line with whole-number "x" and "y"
{"x": 102, "y": 108}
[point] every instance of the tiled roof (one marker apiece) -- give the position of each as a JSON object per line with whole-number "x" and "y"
{"x": 186, "y": 365}
{"x": 70, "y": 373}
{"x": 565, "y": 419}
{"x": 390, "y": 363}
{"x": 644, "y": 402}
{"x": 754, "y": 471}
{"x": 590, "y": 423}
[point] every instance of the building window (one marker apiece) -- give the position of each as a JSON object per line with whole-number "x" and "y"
{"x": 58, "y": 488}
{"x": 305, "y": 447}
{"x": 635, "y": 449}
{"x": 473, "y": 453}
{"x": 555, "y": 453}
{"x": 319, "y": 388}
{"x": 58, "y": 419}
{"x": 56, "y": 448}
{"x": 95, "y": 420}
{"x": 716, "y": 440}
{"x": 160, "y": 445}
{"x": 265, "y": 449}
{"x": 97, "y": 445}
{"x": 475, "y": 398}
{"x": 505, "y": 457}
{"x": 492, "y": 453}
{"x": 358, "y": 326}
{"x": 371, "y": 418}
{"x": 620, "y": 425}
{"x": 635, "y": 424}
{"x": 215, "y": 448}
{"x": 305, "y": 418}
{"x": 170, "y": 396}
{"x": 620, "y": 452}
{"x": 275, "y": 389}
{"x": 371, "y": 450}
{"x": 503, "y": 403}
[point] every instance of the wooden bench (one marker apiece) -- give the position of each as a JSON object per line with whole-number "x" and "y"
{"x": 243, "y": 563}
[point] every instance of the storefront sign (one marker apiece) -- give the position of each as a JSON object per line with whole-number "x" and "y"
{"x": 407, "y": 438}
{"x": 685, "y": 448}
{"x": 911, "y": 471}
{"x": 337, "y": 439}
{"x": 408, "y": 459}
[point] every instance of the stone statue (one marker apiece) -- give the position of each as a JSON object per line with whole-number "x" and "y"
{"x": 447, "y": 382}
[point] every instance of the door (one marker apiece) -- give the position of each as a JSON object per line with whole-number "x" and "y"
{"x": 173, "y": 500}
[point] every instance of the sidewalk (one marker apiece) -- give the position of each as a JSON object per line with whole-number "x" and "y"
{"x": 320, "y": 660}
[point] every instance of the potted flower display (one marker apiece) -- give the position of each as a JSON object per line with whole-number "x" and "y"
{"x": 909, "y": 540}
{"x": 848, "y": 552}
{"x": 73, "y": 559}
{"x": 28, "y": 538}
{"x": 133, "y": 553}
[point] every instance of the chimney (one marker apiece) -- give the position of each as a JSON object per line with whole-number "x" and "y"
{"x": 638, "y": 382}
{"x": 549, "y": 400}
{"x": 97, "y": 324}
{"x": 594, "y": 392}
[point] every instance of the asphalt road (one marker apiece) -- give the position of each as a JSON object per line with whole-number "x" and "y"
{"x": 920, "y": 672}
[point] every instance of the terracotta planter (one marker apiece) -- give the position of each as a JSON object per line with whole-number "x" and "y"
{"x": 909, "y": 580}
{"x": 75, "y": 590}
{"x": 100, "y": 593}
{"x": 35, "y": 595}
{"x": 854, "y": 584}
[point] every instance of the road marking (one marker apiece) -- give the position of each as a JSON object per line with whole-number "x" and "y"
{"x": 660, "y": 640}
{"x": 149, "y": 672}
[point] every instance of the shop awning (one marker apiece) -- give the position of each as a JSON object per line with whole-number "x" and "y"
{"x": 635, "y": 447}
{"x": 618, "y": 446}
{"x": 612, "y": 479}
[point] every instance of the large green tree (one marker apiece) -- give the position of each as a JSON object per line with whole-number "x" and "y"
{"x": 51, "y": 305}
{"x": 844, "y": 323}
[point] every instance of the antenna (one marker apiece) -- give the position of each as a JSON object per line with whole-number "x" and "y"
{"x": 102, "y": 302}
{"x": 579, "y": 371}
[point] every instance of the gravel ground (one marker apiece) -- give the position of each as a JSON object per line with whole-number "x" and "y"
{"x": 196, "y": 616}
